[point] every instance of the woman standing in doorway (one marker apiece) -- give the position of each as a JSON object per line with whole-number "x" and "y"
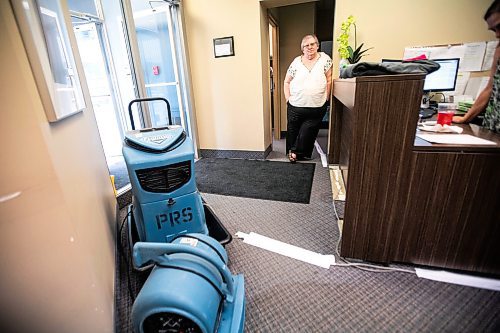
{"x": 307, "y": 90}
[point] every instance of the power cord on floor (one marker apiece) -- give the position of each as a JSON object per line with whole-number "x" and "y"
{"x": 363, "y": 266}
{"x": 122, "y": 254}
{"x": 378, "y": 269}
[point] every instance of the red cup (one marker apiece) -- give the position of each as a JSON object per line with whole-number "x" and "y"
{"x": 445, "y": 117}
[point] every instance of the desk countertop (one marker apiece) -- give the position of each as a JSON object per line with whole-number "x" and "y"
{"x": 471, "y": 129}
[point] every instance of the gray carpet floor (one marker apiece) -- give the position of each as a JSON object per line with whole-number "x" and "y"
{"x": 286, "y": 295}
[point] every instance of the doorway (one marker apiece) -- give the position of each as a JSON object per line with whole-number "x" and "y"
{"x": 106, "y": 91}
{"x": 155, "y": 33}
{"x": 97, "y": 73}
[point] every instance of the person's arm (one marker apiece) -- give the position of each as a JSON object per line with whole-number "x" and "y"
{"x": 479, "y": 105}
{"x": 328, "y": 84}
{"x": 482, "y": 100}
{"x": 286, "y": 86}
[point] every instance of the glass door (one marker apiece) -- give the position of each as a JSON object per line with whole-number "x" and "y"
{"x": 153, "y": 31}
{"x": 88, "y": 36}
{"x": 159, "y": 61}
{"x": 108, "y": 75}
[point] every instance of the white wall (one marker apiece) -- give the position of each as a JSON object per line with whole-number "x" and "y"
{"x": 57, "y": 237}
{"x": 228, "y": 92}
{"x": 391, "y": 25}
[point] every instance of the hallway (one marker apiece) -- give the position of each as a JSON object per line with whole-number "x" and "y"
{"x": 286, "y": 295}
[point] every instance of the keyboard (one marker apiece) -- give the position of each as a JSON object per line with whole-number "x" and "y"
{"x": 427, "y": 113}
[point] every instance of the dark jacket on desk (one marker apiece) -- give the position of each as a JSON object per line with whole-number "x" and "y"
{"x": 389, "y": 68}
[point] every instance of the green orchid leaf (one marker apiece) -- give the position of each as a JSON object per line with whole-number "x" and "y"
{"x": 362, "y": 52}
{"x": 359, "y": 47}
{"x": 349, "y": 49}
{"x": 358, "y": 54}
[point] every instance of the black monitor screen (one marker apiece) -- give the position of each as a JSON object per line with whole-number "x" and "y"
{"x": 444, "y": 79}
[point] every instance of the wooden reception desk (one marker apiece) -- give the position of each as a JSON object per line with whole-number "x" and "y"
{"x": 408, "y": 200}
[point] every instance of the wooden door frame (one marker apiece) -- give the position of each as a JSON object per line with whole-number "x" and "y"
{"x": 276, "y": 77}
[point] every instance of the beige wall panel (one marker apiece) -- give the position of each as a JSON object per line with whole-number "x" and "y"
{"x": 228, "y": 92}
{"x": 57, "y": 235}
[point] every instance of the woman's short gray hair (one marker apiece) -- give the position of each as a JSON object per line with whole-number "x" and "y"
{"x": 307, "y": 36}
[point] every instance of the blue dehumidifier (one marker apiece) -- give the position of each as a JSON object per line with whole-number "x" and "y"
{"x": 190, "y": 288}
{"x": 166, "y": 202}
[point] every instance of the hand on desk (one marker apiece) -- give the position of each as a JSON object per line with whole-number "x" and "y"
{"x": 458, "y": 119}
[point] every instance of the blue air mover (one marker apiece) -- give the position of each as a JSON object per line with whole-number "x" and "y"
{"x": 190, "y": 289}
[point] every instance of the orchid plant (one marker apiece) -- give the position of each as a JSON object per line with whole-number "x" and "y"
{"x": 345, "y": 50}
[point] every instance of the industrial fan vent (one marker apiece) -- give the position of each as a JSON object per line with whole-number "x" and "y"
{"x": 169, "y": 322}
{"x": 164, "y": 179}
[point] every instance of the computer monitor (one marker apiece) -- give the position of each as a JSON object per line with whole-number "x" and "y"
{"x": 444, "y": 79}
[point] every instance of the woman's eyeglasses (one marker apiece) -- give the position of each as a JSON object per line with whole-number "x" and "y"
{"x": 309, "y": 45}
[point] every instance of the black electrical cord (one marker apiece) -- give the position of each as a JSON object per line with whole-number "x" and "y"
{"x": 444, "y": 97}
{"x": 122, "y": 254}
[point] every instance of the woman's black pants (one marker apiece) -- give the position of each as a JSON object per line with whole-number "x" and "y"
{"x": 302, "y": 128}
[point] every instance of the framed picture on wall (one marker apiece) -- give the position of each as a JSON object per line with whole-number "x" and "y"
{"x": 223, "y": 47}
{"x": 45, "y": 35}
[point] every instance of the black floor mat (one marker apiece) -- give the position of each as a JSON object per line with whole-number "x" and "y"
{"x": 268, "y": 180}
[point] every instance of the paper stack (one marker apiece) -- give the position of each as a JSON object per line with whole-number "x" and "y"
{"x": 463, "y": 107}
